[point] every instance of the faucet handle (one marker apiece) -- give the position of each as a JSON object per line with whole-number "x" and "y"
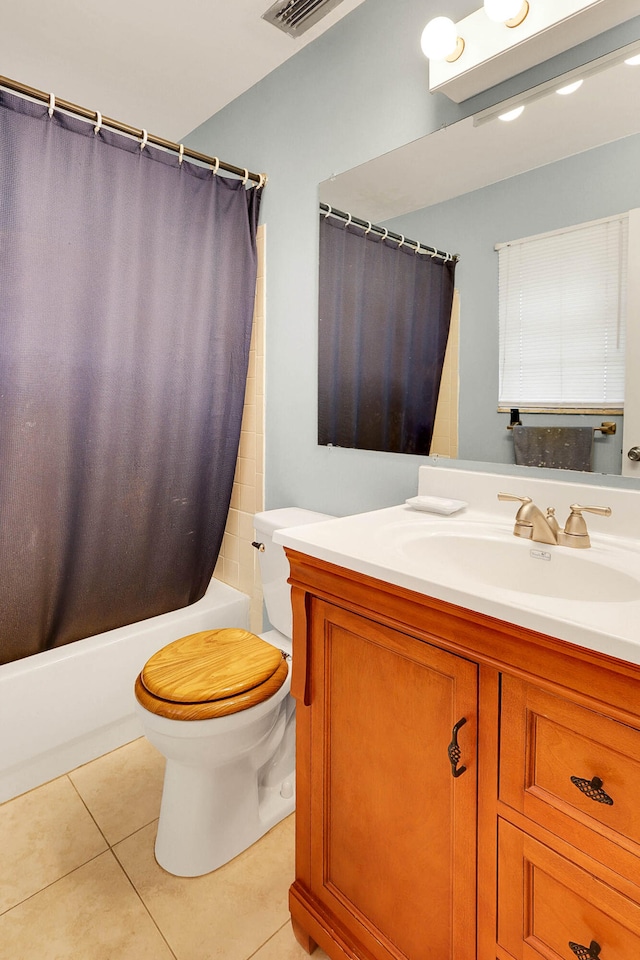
{"x": 575, "y": 529}
{"x": 512, "y": 496}
{"x": 603, "y": 511}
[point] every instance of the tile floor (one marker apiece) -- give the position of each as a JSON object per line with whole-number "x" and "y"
{"x": 78, "y": 879}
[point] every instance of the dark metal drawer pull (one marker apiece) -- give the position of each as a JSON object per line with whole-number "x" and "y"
{"x": 592, "y": 789}
{"x": 453, "y": 750}
{"x": 592, "y": 952}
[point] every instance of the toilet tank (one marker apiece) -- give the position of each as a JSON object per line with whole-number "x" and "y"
{"x": 274, "y": 566}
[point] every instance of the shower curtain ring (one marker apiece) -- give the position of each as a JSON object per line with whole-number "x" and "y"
{"x": 369, "y": 227}
{"x": 96, "y": 129}
{"x": 263, "y": 180}
{"x": 329, "y": 209}
{"x": 181, "y": 153}
{"x": 348, "y": 221}
{"x": 52, "y": 104}
{"x": 215, "y": 167}
{"x": 246, "y": 177}
{"x": 386, "y": 234}
{"x": 417, "y": 247}
{"x": 143, "y": 142}
{"x": 401, "y": 240}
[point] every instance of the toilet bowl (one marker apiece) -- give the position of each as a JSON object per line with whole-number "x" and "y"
{"x": 216, "y": 704}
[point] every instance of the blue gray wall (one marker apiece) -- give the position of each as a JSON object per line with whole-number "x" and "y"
{"x": 358, "y": 91}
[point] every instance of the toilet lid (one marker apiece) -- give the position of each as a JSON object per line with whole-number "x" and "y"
{"x": 209, "y": 666}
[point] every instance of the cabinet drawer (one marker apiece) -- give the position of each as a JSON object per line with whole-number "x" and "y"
{"x": 546, "y": 904}
{"x": 551, "y": 749}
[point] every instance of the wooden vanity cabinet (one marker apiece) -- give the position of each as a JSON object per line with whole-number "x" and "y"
{"x": 410, "y": 847}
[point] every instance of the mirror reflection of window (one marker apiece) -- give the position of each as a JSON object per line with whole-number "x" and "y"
{"x": 562, "y": 300}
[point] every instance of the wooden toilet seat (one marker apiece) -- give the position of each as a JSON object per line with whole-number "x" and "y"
{"x": 210, "y": 674}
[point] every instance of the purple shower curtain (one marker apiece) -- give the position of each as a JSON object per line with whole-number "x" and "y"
{"x": 384, "y": 316}
{"x": 127, "y": 286}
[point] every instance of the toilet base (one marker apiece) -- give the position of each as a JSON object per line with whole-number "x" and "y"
{"x": 228, "y": 780}
{"x": 190, "y": 841}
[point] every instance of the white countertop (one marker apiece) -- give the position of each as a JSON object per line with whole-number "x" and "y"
{"x": 597, "y": 605}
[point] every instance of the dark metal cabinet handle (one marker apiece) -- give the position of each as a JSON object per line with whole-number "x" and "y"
{"x": 453, "y": 750}
{"x": 592, "y": 789}
{"x": 592, "y": 952}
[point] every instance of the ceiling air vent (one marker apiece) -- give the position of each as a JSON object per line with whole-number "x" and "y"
{"x": 296, "y": 16}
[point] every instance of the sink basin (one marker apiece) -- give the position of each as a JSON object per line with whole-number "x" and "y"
{"x": 502, "y": 561}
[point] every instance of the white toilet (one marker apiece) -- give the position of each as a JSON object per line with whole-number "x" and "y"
{"x": 216, "y": 704}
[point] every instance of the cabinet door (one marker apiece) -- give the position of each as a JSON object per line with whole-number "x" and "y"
{"x": 393, "y": 831}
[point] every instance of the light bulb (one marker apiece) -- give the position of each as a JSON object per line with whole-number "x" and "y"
{"x": 503, "y": 10}
{"x": 511, "y": 114}
{"x": 570, "y": 88}
{"x": 439, "y": 39}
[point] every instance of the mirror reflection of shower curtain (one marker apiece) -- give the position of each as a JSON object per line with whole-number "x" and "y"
{"x": 127, "y": 291}
{"x": 384, "y": 315}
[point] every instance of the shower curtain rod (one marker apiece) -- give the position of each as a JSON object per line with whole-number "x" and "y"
{"x": 96, "y": 117}
{"x": 415, "y": 245}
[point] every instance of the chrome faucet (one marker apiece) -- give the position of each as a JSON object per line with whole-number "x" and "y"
{"x": 532, "y": 524}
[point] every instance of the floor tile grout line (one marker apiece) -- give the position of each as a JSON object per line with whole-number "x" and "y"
{"x": 143, "y": 826}
{"x": 53, "y": 882}
{"x": 64, "y": 776}
{"x": 86, "y": 806}
{"x": 108, "y": 849}
{"x": 268, "y": 940}
{"x": 141, "y": 899}
{"x": 80, "y": 866}
{"x": 110, "y": 844}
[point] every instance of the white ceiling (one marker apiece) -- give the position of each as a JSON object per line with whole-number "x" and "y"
{"x": 162, "y": 65}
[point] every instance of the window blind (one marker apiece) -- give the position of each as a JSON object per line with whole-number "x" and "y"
{"x": 562, "y": 300}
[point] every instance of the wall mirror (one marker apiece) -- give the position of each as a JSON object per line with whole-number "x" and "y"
{"x": 481, "y": 181}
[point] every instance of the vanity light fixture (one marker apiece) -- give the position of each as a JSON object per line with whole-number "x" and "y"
{"x": 570, "y": 88}
{"x": 541, "y": 30}
{"x": 440, "y": 40}
{"x": 510, "y": 12}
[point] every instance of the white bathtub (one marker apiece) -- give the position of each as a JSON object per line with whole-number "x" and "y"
{"x": 63, "y": 707}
